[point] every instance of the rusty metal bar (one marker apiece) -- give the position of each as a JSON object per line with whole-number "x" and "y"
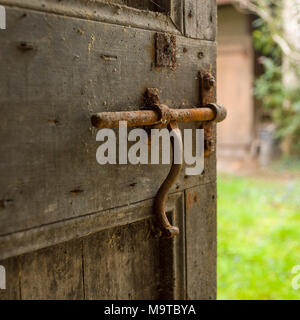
{"x": 150, "y": 117}
{"x": 160, "y": 115}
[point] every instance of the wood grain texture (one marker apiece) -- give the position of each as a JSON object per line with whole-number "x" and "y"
{"x": 81, "y": 238}
{"x": 53, "y": 273}
{"x": 122, "y": 263}
{"x": 200, "y": 19}
{"x": 133, "y": 262}
{"x": 44, "y": 236}
{"x": 201, "y": 234}
{"x": 176, "y": 14}
{"x": 106, "y": 11}
{"x": 48, "y": 168}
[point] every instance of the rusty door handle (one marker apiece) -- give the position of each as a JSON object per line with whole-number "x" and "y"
{"x": 153, "y": 117}
{"x": 168, "y": 230}
{"x": 154, "y": 114}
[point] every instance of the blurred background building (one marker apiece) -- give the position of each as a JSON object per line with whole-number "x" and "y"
{"x": 258, "y": 72}
{"x": 243, "y": 137}
{"x": 235, "y": 74}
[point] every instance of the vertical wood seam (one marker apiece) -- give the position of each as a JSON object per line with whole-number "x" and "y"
{"x": 82, "y": 267}
{"x": 184, "y": 19}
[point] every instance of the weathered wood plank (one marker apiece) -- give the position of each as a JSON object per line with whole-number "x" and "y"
{"x": 201, "y": 242}
{"x": 105, "y": 11}
{"x": 176, "y": 14}
{"x": 48, "y": 167}
{"x": 52, "y": 77}
{"x": 44, "y": 236}
{"x": 200, "y": 19}
{"x": 122, "y": 263}
{"x": 132, "y": 262}
{"x": 53, "y": 273}
{"x": 59, "y": 272}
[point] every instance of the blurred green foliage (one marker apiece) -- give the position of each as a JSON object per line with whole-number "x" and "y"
{"x": 283, "y": 102}
{"x": 258, "y": 238}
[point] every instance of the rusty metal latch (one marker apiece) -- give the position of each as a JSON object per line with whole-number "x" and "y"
{"x": 154, "y": 114}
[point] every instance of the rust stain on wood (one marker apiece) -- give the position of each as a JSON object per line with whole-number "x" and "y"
{"x": 165, "y": 50}
{"x": 207, "y": 96}
{"x": 192, "y": 199}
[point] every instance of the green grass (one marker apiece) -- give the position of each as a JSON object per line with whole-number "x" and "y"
{"x": 258, "y": 238}
{"x": 292, "y": 164}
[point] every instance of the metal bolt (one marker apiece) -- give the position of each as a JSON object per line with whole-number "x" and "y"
{"x": 209, "y": 81}
{"x": 200, "y": 55}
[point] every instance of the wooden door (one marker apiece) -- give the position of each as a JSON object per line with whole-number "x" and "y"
{"x": 70, "y": 228}
{"x": 235, "y": 65}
